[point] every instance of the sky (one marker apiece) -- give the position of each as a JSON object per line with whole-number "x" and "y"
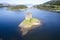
{"x": 23, "y": 1}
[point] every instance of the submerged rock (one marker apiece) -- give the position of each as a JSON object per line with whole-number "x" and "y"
{"x": 28, "y": 24}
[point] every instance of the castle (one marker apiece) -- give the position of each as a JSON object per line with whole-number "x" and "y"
{"x": 28, "y": 15}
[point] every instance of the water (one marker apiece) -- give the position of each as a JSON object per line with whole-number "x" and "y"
{"x": 9, "y": 21}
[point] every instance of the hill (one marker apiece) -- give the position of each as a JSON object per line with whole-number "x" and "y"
{"x": 51, "y": 6}
{"x": 13, "y": 7}
{"x": 17, "y": 7}
{"x": 4, "y": 5}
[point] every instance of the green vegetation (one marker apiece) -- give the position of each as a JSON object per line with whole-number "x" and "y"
{"x": 30, "y": 21}
{"x": 51, "y": 6}
{"x": 13, "y": 7}
{"x": 17, "y": 7}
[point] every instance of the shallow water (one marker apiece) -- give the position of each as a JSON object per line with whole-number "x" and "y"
{"x": 9, "y": 21}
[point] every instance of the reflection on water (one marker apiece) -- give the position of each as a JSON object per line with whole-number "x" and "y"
{"x": 9, "y": 21}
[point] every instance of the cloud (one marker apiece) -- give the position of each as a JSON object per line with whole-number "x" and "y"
{"x": 24, "y": 1}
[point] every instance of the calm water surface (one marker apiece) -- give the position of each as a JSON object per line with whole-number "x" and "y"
{"x": 9, "y": 21}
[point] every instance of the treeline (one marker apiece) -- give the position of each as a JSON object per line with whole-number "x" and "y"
{"x": 13, "y": 7}
{"x": 17, "y": 7}
{"x": 51, "y": 6}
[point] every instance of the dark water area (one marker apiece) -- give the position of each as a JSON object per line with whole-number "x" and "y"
{"x": 49, "y": 30}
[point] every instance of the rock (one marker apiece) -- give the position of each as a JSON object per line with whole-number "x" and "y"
{"x": 28, "y": 25}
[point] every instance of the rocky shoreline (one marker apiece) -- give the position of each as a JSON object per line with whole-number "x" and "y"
{"x": 26, "y": 27}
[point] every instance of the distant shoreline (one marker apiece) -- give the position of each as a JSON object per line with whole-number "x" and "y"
{"x": 53, "y": 6}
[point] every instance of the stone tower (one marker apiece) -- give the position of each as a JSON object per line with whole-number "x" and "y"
{"x": 28, "y": 15}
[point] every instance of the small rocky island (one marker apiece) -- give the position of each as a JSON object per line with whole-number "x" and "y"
{"x": 29, "y": 23}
